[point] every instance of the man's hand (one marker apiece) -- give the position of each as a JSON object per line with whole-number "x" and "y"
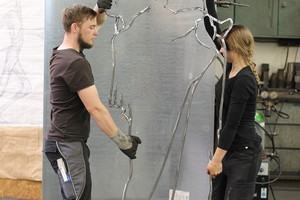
{"x": 132, "y": 151}
{"x": 127, "y": 144}
{"x": 104, "y": 5}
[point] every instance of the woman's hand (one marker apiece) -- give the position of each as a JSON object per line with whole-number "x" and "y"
{"x": 214, "y": 168}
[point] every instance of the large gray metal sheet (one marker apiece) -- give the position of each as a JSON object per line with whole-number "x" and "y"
{"x": 153, "y": 74}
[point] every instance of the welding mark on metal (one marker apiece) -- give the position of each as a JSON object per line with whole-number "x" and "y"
{"x": 113, "y": 102}
{"x": 192, "y": 87}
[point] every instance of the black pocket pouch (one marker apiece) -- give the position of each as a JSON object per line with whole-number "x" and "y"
{"x": 66, "y": 186}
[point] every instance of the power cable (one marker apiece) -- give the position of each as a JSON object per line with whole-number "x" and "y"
{"x": 272, "y": 191}
{"x": 269, "y": 135}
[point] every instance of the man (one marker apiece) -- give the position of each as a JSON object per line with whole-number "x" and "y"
{"x": 74, "y": 98}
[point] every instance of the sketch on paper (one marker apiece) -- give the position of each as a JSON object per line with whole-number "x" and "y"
{"x": 15, "y": 81}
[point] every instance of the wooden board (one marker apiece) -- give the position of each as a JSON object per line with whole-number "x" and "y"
{"x": 20, "y": 189}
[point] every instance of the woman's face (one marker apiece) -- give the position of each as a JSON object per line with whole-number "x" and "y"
{"x": 230, "y": 54}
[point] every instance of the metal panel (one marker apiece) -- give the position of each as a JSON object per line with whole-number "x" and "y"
{"x": 153, "y": 74}
{"x": 260, "y": 17}
{"x": 289, "y": 15}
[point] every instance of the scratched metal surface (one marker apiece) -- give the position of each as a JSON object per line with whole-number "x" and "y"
{"x": 152, "y": 73}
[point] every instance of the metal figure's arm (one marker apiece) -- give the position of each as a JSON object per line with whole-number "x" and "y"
{"x": 182, "y": 9}
{"x": 120, "y": 26}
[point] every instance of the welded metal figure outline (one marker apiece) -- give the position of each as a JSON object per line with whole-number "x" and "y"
{"x": 193, "y": 85}
{"x": 112, "y": 97}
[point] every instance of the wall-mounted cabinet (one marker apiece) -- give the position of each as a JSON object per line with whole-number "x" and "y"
{"x": 289, "y": 16}
{"x": 266, "y": 18}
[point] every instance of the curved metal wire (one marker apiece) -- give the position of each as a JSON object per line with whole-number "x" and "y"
{"x": 130, "y": 173}
{"x": 120, "y": 26}
{"x": 191, "y": 90}
{"x": 119, "y": 21}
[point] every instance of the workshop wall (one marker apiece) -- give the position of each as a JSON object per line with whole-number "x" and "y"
{"x": 270, "y": 53}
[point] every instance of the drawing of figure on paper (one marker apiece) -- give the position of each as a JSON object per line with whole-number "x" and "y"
{"x": 14, "y": 84}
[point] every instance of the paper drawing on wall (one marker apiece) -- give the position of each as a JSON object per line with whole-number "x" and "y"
{"x": 14, "y": 84}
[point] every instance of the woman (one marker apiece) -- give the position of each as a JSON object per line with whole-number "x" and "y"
{"x": 237, "y": 157}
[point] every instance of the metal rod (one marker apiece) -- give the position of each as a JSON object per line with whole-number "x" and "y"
{"x": 130, "y": 160}
{"x": 120, "y": 26}
{"x": 229, "y": 3}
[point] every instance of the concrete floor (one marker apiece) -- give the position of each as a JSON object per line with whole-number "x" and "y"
{"x": 285, "y": 190}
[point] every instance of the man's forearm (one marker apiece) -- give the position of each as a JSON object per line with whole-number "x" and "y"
{"x": 104, "y": 121}
{"x": 101, "y": 17}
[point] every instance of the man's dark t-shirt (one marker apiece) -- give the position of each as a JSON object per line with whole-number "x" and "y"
{"x": 69, "y": 73}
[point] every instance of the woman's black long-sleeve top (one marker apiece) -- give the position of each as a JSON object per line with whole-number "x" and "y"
{"x": 238, "y": 130}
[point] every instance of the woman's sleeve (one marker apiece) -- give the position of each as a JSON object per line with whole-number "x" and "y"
{"x": 242, "y": 90}
{"x": 212, "y": 11}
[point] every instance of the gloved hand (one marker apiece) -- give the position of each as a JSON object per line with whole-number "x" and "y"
{"x": 127, "y": 144}
{"x": 132, "y": 151}
{"x": 104, "y": 5}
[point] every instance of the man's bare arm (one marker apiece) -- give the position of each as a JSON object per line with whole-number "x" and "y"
{"x": 90, "y": 98}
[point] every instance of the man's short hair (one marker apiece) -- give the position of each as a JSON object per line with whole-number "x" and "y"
{"x": 76, "y": 13}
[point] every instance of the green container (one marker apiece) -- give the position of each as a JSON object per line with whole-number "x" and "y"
{"x": 259, "y": 117}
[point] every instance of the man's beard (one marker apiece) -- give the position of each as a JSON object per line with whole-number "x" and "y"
{"x": 83, "y": 44}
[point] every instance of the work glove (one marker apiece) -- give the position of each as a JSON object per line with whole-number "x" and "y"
{"x": 132, "y": 151}
{"x": 127, "y": 144}
{"x": 104, "y": 5}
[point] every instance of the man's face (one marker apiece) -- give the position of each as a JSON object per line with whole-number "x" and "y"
{"x": 87, "y": 34}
